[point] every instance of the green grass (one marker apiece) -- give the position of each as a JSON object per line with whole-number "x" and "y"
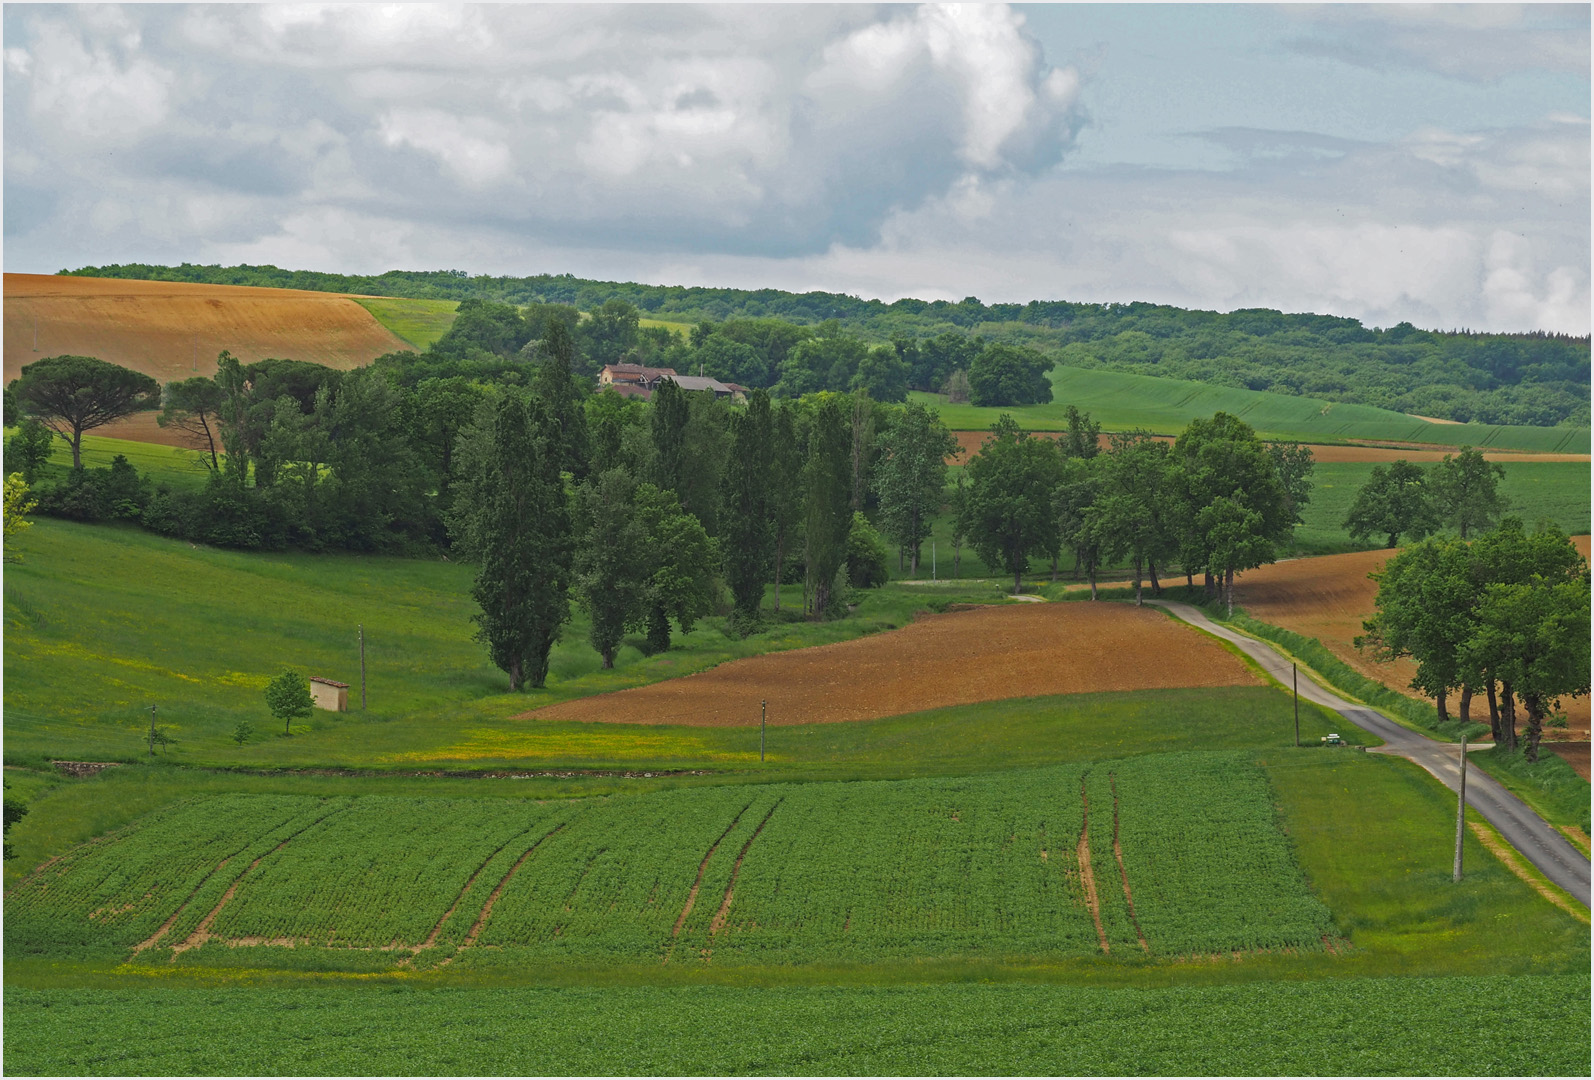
{"x": 179, "y": 468}
{"x": 1551, "y": 786}
{"x": 1508, "y": 1026}
{"x": 419, "y": 322}
{"x": 1121, "y": 401}
{"x": 102, "y": 622}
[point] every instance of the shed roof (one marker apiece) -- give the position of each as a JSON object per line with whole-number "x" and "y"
{"x": 329, "y": 682}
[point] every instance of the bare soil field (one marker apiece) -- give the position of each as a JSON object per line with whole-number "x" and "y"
{"x": 172, "y": 330}
{"x": 1328, "y": 597}
{"x": 958, "y": 658}
{"x": 970, "y": 442}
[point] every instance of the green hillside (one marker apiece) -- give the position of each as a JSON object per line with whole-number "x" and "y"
{"x": 1124, "y": 401}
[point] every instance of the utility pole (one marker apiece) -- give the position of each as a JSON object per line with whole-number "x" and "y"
{"x": 763, "y": 714}
{"x": 362, "y": 667}
{"x": 1461, "y": 804}
{"x": 152, "y": 731}
{"x": 932, "y": 558}
{"x": 1295, "y": 679}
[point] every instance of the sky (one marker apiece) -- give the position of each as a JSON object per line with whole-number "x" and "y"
{"x": 1391, "y": 163}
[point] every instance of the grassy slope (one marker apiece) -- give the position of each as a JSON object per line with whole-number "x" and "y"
{"x": 419, "y": 322}
{"x": 103, "y": 621}
{"x": 1124, "y": 401}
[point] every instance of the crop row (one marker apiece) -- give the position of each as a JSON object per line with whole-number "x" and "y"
{"x": 1184, "y": 856}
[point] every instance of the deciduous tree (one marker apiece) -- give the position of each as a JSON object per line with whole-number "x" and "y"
{"x": 1466, "y": 491}
{"x": 1394, "y": 502}
{"x": 288, "y": 698}
{"x": 1009, "y": 512}
{"x": 910, "y": 477}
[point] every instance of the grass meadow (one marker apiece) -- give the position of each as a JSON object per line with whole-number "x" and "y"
{"x": 1122, "y": 401}
{"x": 419, "y": 322}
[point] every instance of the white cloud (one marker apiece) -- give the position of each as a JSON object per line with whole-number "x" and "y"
{"x": 887, "y": 151}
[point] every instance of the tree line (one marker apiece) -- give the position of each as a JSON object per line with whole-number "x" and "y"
{"x": 491, "y": 340}
{"x": 1532, "y": 378}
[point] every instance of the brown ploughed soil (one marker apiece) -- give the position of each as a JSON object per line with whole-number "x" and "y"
{"x": 953, "y": 659}
{"x": 173, "y": 330}
{"x": 970, "y": 442}
{"x": 1329, "y": 596}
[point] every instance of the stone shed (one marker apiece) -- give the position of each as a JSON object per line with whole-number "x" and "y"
{"x": 330, "y": 695}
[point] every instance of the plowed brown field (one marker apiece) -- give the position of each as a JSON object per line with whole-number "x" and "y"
{"x": 1329, "y": 596}
{"x": 953, "y": 659}
{"x": 172, "y": 330}
{"x": 970, "y": 442}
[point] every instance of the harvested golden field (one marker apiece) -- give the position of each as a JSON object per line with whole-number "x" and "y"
{"x": 1329, "y": 596}
{"x": 970, "y": 442}
{"x": 958, "y": 658}
{"x": 172, "y": 330}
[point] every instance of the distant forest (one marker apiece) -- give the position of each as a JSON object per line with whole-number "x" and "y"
{"x": 1535, "y": 378}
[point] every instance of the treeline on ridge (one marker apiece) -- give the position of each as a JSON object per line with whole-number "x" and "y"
{"x": 1531, "y": 378}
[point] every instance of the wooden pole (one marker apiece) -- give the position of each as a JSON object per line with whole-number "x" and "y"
{"x": 1295, "y": 679}
{"x": 763, "y": 714}
{"x": 1461, "y": 803}
{"x": 362, "y": 667}
{"x": 152, "y": 731}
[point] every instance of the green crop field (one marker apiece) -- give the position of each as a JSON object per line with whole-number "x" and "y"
{"x": 872, "y": 897}
{"x": 1123, "y": 401}
{"x": 1536, "y": 491}
{"x": 1163, "y": 855}
{"x": 419, "y": 322}
{"x": 1356, "y": 1027}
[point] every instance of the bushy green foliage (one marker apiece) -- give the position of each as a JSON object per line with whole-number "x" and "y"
{"x": 782, "y": 873}
{"x": 288, "y": 698}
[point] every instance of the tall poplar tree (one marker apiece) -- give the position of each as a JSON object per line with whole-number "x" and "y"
{"x": 610, "y": 577}
{"x": 745, "y": 520}
{"x": 828, "y": 483}
{"x": 555, "y": 384}
{"x": 511, "y": 514}
{"x": 786, "y": 500}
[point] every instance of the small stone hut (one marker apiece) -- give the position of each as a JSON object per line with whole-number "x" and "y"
{"x": 329, "y": 695}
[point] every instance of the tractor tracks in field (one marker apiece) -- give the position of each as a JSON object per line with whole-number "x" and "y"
{"x": 201, "y": 933}
{"x": 1123, "y": 874}
{"x": 1087, "y": 874}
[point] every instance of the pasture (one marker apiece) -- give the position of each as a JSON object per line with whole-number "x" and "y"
{"x": 174, "y": 330}
{"x": 1123, "y": 401}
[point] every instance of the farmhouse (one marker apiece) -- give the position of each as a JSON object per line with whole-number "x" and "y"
{"x": 329, "y": 695}
{"x": 635, "y": 380}
{"x": 632, "y": 380}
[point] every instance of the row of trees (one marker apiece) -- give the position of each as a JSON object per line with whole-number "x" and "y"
{"x": 667, "y": 501}
{"x": 1217, "y": 500}
{"x": 1507, "y": 615}
{"x": 1462, "y": 492}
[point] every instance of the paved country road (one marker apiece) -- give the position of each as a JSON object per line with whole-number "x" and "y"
{"x": 1524, "y": 830}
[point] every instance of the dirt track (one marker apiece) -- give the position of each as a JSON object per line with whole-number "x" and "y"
{"x": 940, "y": 660}
{"x": 970, "y": 442}
{"x": 1329, "y": 596}
{"x": 172, "y": 330}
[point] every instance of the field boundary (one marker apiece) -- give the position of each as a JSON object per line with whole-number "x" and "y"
{"x": 1497, "y": 846}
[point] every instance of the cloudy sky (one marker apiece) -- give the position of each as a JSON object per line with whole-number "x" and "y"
{"x": 1429, "y": 164}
